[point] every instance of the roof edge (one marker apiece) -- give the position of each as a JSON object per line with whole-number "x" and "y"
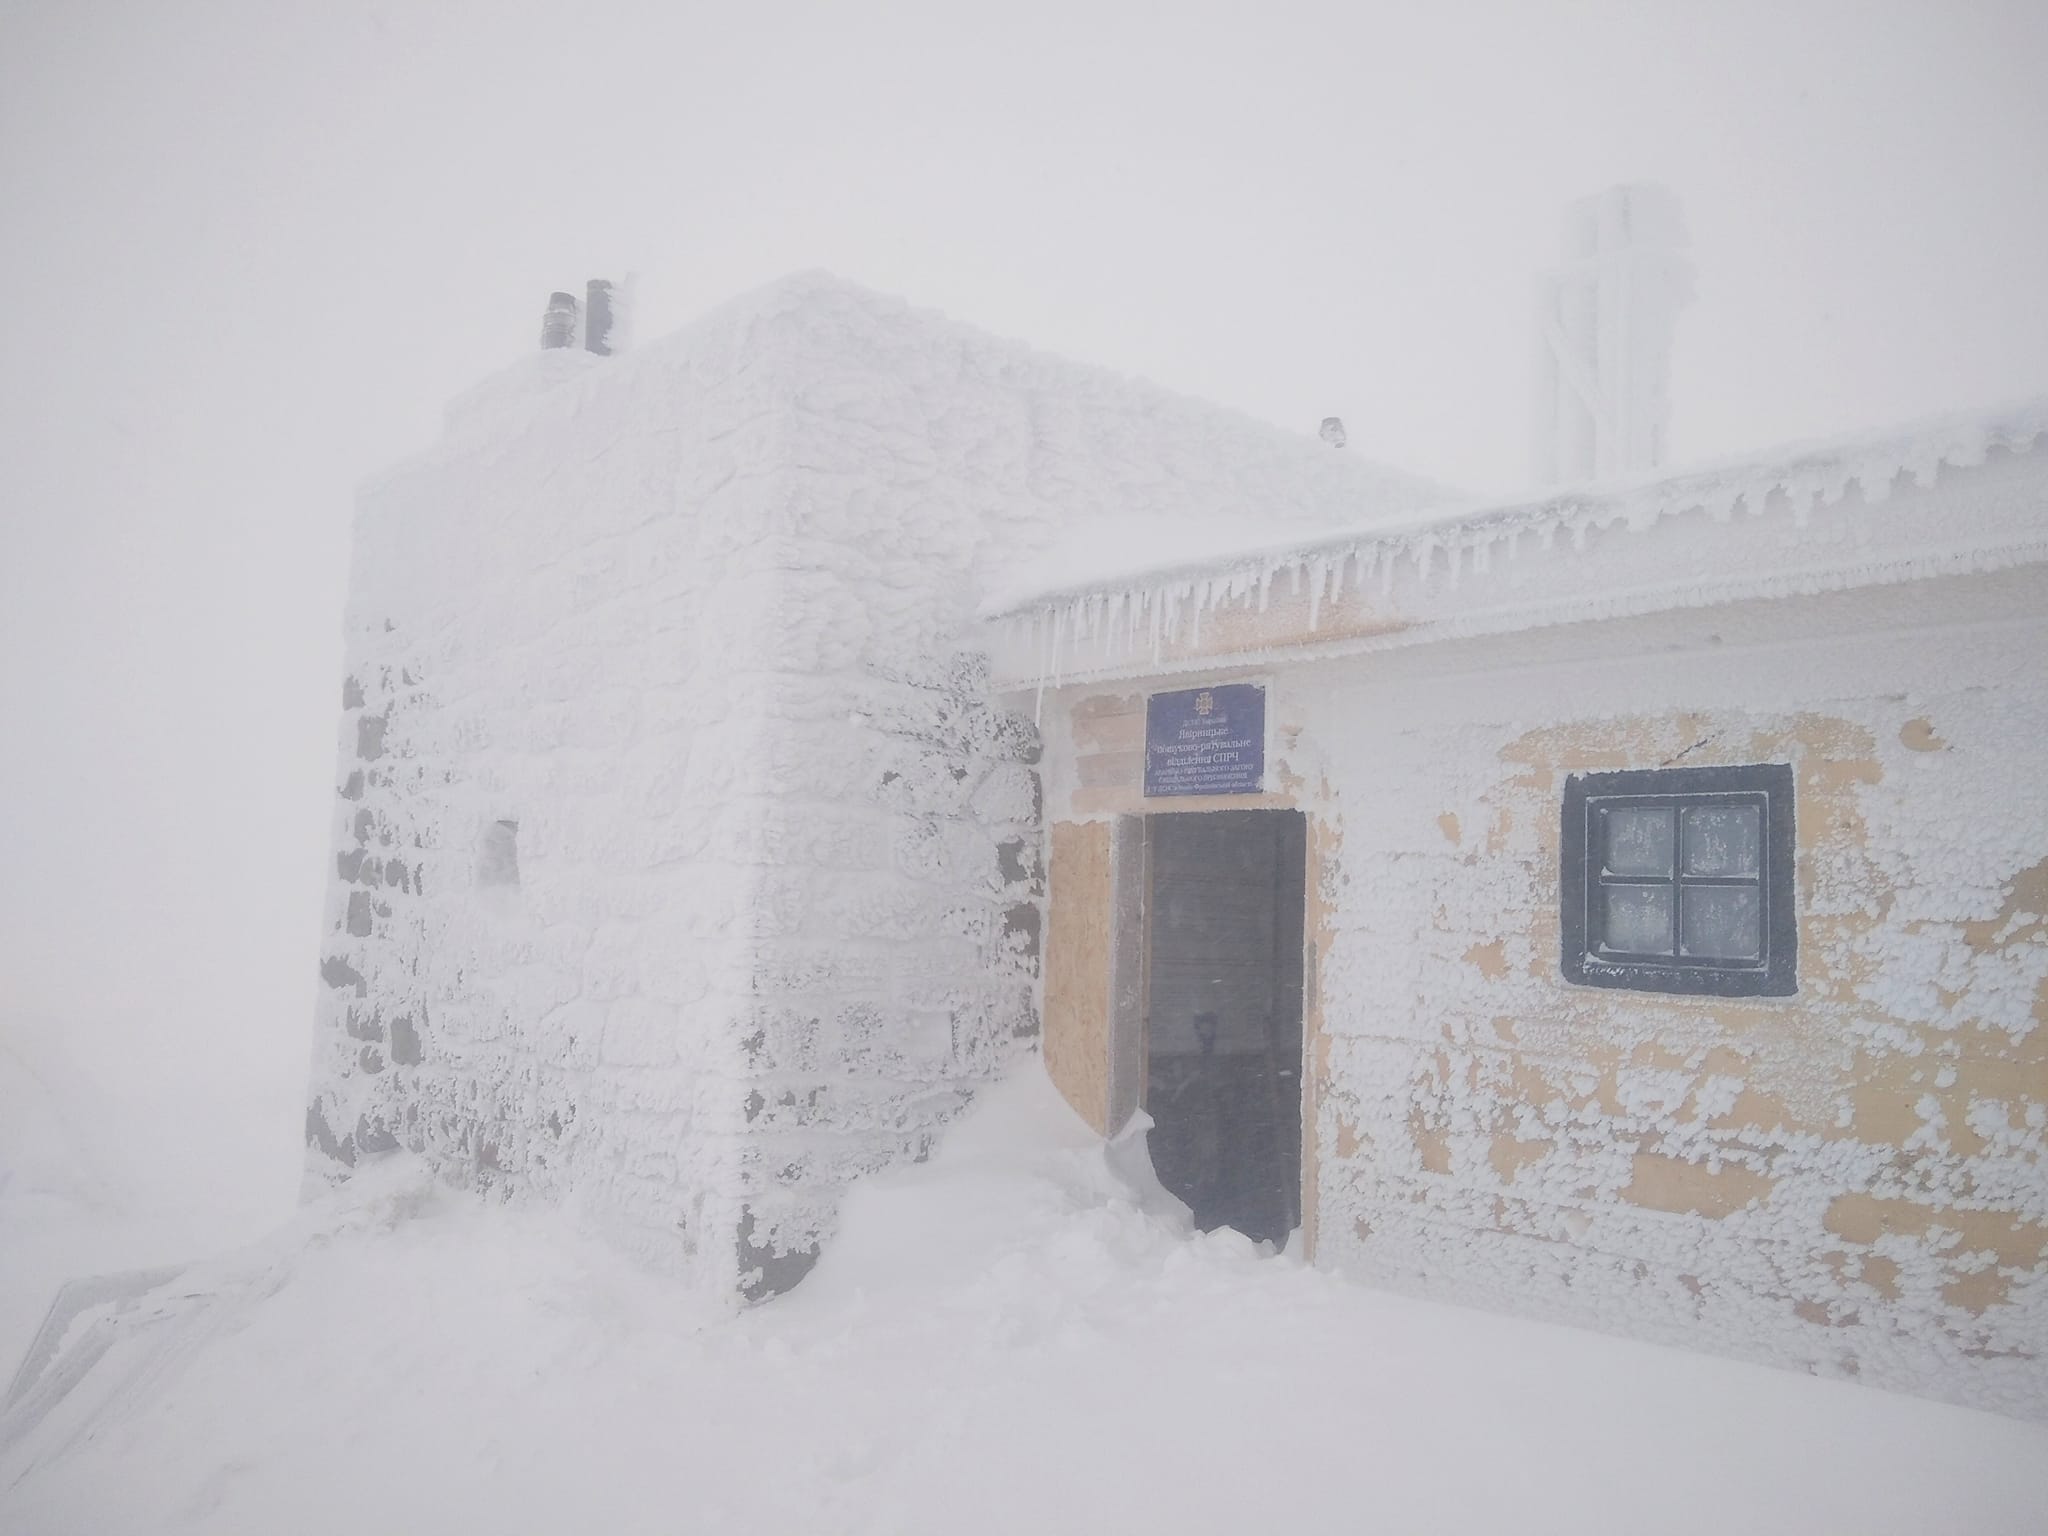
{"x": 1802, "y": 474}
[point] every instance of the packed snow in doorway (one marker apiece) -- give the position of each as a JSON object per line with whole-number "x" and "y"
{"x": 1011, "y": 1337}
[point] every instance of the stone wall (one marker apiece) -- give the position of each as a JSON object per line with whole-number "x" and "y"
{"x": 683, "y": 869}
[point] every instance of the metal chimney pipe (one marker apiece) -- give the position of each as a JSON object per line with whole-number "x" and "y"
{"x": 598, "y": 316}
{"x": 558, "y": 324}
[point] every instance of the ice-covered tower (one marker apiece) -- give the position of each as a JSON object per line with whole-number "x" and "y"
{"x": 1604, "y": 323}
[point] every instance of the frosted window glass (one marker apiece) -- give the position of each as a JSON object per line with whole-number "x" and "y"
{"x": 1639, "y": 842}
{"x": 1638, "y": 919}
{"x": 1721, "y": 922}
{"x": 1722, "y": 840}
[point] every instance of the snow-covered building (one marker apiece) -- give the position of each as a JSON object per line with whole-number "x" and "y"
{"x": 687, "y": 866}
{"x": 1673, "y": 870}
{"x": 1625, "y": 907}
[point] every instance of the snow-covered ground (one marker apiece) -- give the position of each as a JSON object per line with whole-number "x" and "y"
{"x": 1008, "y": 1338}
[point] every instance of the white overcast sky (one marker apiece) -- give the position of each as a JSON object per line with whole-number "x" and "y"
{"x": 247, "y": 249}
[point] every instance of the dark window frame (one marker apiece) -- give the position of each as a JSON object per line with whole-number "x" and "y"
{"x": 1768, "y": 786}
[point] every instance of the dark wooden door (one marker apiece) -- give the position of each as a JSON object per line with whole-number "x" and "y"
{"x": 1223, "y": 1014}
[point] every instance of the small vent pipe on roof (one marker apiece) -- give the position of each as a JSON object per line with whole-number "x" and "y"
{"x": 597, "y": 324}
{"x": 558, "y": 325}
{"x": 599, "y": 316}
{"x": 1332, "y": 431}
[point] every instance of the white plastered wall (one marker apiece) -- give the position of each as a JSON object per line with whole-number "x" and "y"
{"x": 1847, "y": 1181}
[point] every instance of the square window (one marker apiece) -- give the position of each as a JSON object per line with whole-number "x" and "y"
{"x": 1639, "y": 841}
{"x": 1720, "y": 922}
{"x": 1680, "y": 880}
{"x": 1638, "y": 919}
{"x": 1723, "y": 840}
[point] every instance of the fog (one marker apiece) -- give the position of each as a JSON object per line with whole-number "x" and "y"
{"x": 249, "y": 250}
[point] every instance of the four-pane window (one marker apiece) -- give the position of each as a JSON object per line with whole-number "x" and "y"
{"x": 1680, "y": 880}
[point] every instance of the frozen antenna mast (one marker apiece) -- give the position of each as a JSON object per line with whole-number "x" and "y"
{"x": 1604, "y": 321}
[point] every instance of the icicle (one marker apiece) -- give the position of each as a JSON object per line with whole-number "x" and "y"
{"x": 1044, "y": 667}
{"x": 1386, "y": 558}
{"x": 1424, "y": 551}
{"x": 1970, "y": 451}
{"x": 1455, "y": 554}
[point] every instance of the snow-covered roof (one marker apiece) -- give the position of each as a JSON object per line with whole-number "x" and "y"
{"x": 1400, "y": 576}
{"x": 1805, "y": 474}
{"x": 1107, "y": 459}
{"x": 814, "y": 425}
{"x": 1104, "y": 522}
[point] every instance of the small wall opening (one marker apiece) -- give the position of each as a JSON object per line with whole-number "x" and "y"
{"x": 497, "y": 855}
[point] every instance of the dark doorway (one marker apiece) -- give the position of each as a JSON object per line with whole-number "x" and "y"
{"x": 1223, "y": 1014}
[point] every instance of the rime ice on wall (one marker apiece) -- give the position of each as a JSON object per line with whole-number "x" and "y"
{"x": 1849, "y": 1180}
{"x": 684, "y": 868}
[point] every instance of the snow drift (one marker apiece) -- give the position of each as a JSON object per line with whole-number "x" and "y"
{"x": 1011, "y": 1337}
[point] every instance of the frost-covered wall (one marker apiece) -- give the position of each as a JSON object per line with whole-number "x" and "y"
{"x": 684, "y": 867}
{"x": 1849, "y": 1180}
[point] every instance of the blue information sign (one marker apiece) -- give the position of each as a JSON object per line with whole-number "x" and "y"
{"x": 1206, "y": 741}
